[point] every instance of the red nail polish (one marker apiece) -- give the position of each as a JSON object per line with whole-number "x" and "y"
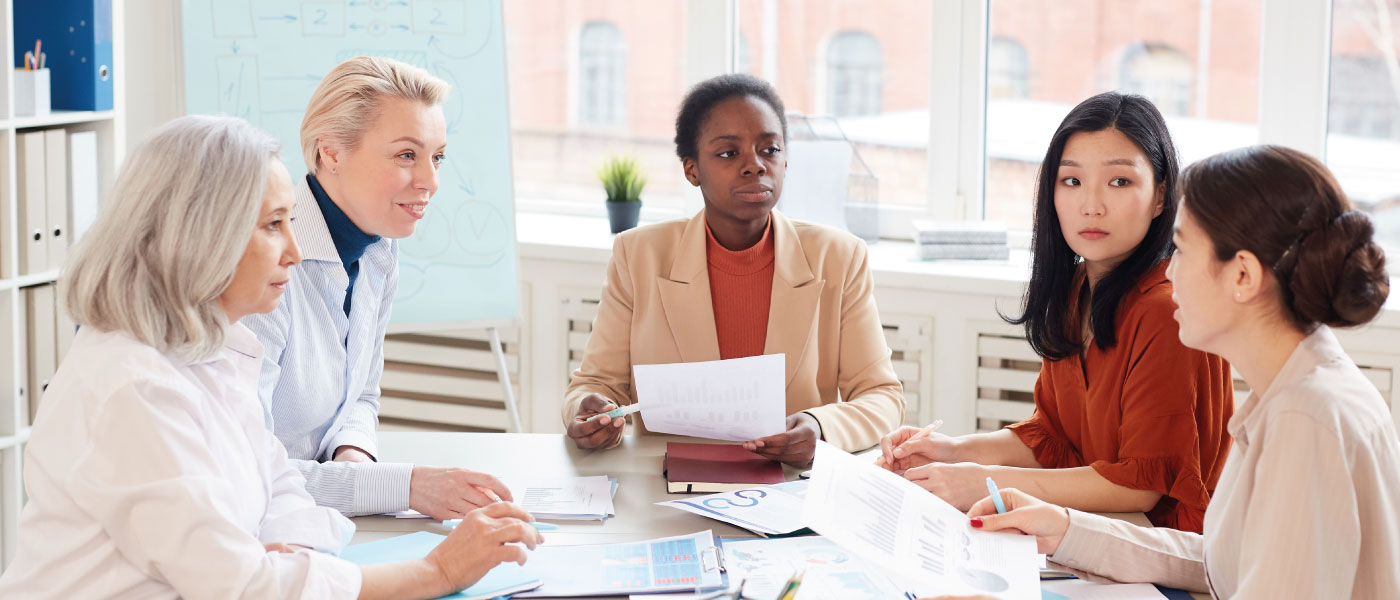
{"x": 976, "y": 523}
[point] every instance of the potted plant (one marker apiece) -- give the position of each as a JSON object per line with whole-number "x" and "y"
{"x": 622, "y": 181}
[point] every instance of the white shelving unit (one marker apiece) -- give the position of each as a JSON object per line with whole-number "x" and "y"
{"x": 14, "y": 388}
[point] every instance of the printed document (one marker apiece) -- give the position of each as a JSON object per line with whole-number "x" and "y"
{"x": 927, "y": 545}
{"x": 738, "y": 400}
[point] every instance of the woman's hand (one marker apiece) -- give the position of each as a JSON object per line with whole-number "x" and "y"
{"x": 588, "y": 430}
{"x": 1024, "y": 514}
{"x": 959, "y": 484}
{"x": 796, "y": 446}
{"x": 485, "y": 538}
{"x": 281, "y": 548}
{"x": 449, "y": 493}
{"x": 351, "y": 454}
{"x": 909, "y": 447}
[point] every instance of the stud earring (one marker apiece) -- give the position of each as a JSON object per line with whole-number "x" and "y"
{"x": 336, "y": 172}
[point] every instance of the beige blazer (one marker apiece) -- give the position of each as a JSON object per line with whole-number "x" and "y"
{"x": 656, "y": 308}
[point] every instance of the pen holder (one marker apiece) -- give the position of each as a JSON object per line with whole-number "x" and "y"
{"x": 31, "y": 92}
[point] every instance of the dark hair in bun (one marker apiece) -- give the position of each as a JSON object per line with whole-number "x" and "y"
{"x": 1287, "y": 209}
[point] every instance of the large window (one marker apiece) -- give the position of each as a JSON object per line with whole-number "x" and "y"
{"x": 602, "y": 73}
{"x": 854, "y": 74}
{"x": 1201, "y": 69}
{"x": 1008, "y": 69}
{"x": 588, "y": 80}
{"x": 1363, "y": 137}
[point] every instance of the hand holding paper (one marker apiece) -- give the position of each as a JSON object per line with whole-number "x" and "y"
{"x": 739, "y": 399}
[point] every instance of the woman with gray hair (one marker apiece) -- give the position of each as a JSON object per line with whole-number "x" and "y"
{"x": 149, "y": 470}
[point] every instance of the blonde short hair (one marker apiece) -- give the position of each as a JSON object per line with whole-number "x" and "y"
{"x": 348, "y": 100}
{"x": 169, "y": 238}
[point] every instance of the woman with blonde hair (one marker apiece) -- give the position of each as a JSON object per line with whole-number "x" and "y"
{"x": 373, "y": 137}
{"x": 149, "y": 470}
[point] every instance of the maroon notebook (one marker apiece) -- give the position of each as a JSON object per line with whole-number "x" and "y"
{"x": 711, "y": 468}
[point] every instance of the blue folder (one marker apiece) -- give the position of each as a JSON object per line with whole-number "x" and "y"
{"x": 77, "y": 39}
{"x": 504, "y": 580}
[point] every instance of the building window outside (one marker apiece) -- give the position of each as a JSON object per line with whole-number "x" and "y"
{"x": 1363, "y": 115}
{"x": 854, "y": 74}
{"x": 1161, "y": 73}
{"x": 1008, "y": 71}
{"x": 602, "y": 61}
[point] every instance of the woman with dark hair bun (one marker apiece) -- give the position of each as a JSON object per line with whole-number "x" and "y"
{"x": 1270, "y": 256}
{"x": 1126, "y": 419}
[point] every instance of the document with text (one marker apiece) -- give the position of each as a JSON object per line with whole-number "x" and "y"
{"x": 925, "y": 543}
{"x": 739, "y": 399}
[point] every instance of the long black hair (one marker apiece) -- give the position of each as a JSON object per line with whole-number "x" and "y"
{"x": 1050, "y": 329}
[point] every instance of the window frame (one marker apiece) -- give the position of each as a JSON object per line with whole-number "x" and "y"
{"x": 1294, "y": 62}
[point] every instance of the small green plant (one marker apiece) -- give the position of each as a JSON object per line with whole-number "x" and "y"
{"x": 622, "y": 179}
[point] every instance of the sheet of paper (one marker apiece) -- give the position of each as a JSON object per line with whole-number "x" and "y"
{"x": 830, "y": 572}
{"x": 679, "y": 563}
{"x": 817, "y": 182}
{"x": 891, "y": 522}
{"x": 1078, "y": 589}
{"x": 765, "y": 510}
{"x": 536, "y": 489}
{"x": 739, "y": 399}
{"x": 564, "y": 498}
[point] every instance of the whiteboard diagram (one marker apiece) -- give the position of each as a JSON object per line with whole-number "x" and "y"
{"x": 260, "y": 60}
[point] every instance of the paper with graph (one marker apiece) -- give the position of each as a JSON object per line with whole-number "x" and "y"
{"x": 927, "y": 545}
{"x": 739, "y": 399}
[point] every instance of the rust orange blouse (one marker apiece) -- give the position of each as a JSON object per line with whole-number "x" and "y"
{"x": 1152, "y": 414}
{"x": 741, "y": 289}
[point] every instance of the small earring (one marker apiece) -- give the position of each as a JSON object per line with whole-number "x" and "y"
{"x": 334, "y": 172}
{"x": 1237, "y": 295}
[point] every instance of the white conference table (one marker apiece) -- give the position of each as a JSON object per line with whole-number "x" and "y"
{"x": 636, "y": 464}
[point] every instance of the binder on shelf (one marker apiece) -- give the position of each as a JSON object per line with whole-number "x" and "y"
{"x": 39, "y": 302}
{"x": 77, "y": 37}
{"x": 82, "y": 183}
{"x": 21, "y": 362}
{"x": 56, "y": 191}
{"x": 33, "y": 216}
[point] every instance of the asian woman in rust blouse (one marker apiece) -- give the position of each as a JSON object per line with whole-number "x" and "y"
{"x": 1126, "y": 418}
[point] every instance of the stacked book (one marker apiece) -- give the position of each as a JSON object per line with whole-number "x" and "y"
{"x": 961, "y": 240}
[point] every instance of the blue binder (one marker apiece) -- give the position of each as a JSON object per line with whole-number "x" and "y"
{"x": 77, "y": 37}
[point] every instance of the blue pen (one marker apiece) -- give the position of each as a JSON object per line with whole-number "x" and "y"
{"x": 542, "y": 526}
{"x": 996, "y": 496}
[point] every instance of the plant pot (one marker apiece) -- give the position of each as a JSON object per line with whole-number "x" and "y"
{"x": 623, "y": 215}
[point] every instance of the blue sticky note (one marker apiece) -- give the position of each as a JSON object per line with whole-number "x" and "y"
{"x": 504, "y": 580}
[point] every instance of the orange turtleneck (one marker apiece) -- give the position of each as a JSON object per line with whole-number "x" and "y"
{"x": 741, "y": 288}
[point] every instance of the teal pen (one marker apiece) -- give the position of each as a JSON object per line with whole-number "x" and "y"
{"x": 996, "y": 496}
{"x": 543, "y": 526}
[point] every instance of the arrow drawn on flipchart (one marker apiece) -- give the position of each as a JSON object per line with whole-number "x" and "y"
{"x": 400, "y": 27}
{"x": 235, "y": 46}
{"x": 283, "y": 18}
{"x": 436, "y": 43}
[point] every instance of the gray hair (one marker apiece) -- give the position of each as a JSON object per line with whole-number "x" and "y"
{"x": 170, "y": 235}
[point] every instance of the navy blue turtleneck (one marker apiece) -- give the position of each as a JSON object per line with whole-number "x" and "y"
{"x": 350, "y": 242}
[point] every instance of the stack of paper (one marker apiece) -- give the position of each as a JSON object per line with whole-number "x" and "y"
{"x": 566, "y": 499}
{"x": 557, "y": 499}
{"x": 961, "y": 240}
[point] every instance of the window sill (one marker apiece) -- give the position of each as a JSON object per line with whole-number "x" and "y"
{"x": 572, "y": 238}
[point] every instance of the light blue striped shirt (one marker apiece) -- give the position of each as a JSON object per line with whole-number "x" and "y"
{"x": 321, "y": 368}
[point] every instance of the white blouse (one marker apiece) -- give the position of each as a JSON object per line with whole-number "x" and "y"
{"x": 153, "y": 477}
{"x": 1308, "y": 505}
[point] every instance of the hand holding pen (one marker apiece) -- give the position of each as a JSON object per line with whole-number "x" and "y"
{"x": 909, "y": 447}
